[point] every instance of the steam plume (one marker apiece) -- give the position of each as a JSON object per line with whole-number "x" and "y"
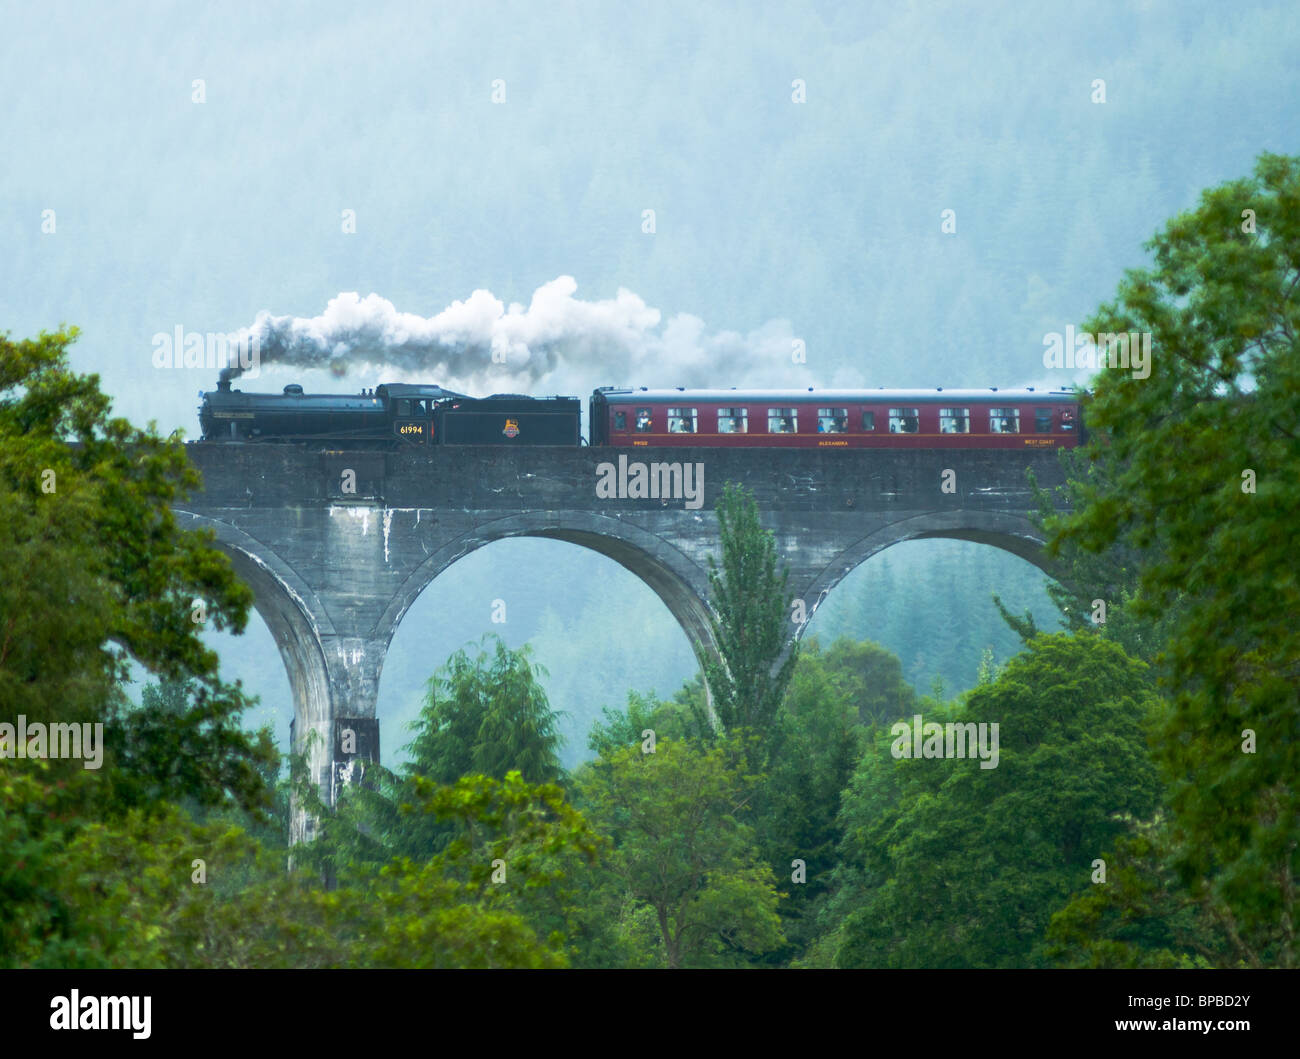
{"x": 558, "y": 340}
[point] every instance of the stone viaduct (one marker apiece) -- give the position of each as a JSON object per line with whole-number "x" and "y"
{"x": 337, "y": 545}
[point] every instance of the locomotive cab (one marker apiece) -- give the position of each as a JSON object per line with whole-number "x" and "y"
{"x": 413, "y": 419}
{"x": 412, "y": 411}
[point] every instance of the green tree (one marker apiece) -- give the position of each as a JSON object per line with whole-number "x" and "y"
{"x": 92, "y": 557}
{"x": 620, "y": 728}
{"x": 870, "y": 676}
{"x": 130, "y": 892}
{"x": 1141, "y": 917}
{"x": 816, "y": 744}
{"x": 95, "y": 570}
{"x": 1094, "y": 591}
{"x": 486, "y": 715}
{"x": 680, "y": 853}
{"x": 1207, "y": 487}
{"x": 947, "y": 864}
{"x": 750, "y": 620}
{"x": 500, "y": 895}
{"x": 988, "y": 671}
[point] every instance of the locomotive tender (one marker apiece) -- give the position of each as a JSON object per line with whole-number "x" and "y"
{"x": 424, "y": 414}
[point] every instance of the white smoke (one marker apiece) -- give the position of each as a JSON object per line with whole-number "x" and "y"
{"x": 558, "y": 343}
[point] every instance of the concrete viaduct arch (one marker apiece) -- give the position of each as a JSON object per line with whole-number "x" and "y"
{"x": 300, "y": 627}
{"x": 1011, "y": 533}
{"x": 334, "y": 569}
{"x": 660, "y": 565}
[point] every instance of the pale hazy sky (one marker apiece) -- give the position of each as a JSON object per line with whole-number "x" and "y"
{"x": 773, "y": 219}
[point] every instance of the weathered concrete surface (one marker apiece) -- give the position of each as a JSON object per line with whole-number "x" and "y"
{"x": 334, "y": 570}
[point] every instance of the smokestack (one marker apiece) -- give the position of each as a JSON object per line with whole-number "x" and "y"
{"x": 228, "y": 373}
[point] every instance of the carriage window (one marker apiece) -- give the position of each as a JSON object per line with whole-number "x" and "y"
{"x": 904, "y": 420}
{"x": 954, "y": 420}
{"x": 1067, "y": 419}
{"x": 681, "y": 420}
{"x": 868, "y": 420}
{"x": 403, "y": 407}
{"x": 782, "y": 420}
{"x": 643, "y": 421}
{"x": 620, "y": 420}
{"x": 1042, "y": 420}
{"x": 1004, "y": 420}
{"x": 832, "y": 420}
{"x": 733, "y": 420}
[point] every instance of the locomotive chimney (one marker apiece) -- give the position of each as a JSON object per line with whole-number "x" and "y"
{"x": 228, "y": 373}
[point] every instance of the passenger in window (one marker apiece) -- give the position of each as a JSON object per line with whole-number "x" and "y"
{"x": 643, "y": 420}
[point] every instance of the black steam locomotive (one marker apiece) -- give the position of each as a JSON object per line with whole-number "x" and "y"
{"x": 389, "y": 415}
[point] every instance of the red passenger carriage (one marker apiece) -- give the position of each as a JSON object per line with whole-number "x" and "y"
{"x": 887, "y": 419}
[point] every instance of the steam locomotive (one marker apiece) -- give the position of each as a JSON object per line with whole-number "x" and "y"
{"x": 424, "y": 414}
{"x": 389, "y": 415}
